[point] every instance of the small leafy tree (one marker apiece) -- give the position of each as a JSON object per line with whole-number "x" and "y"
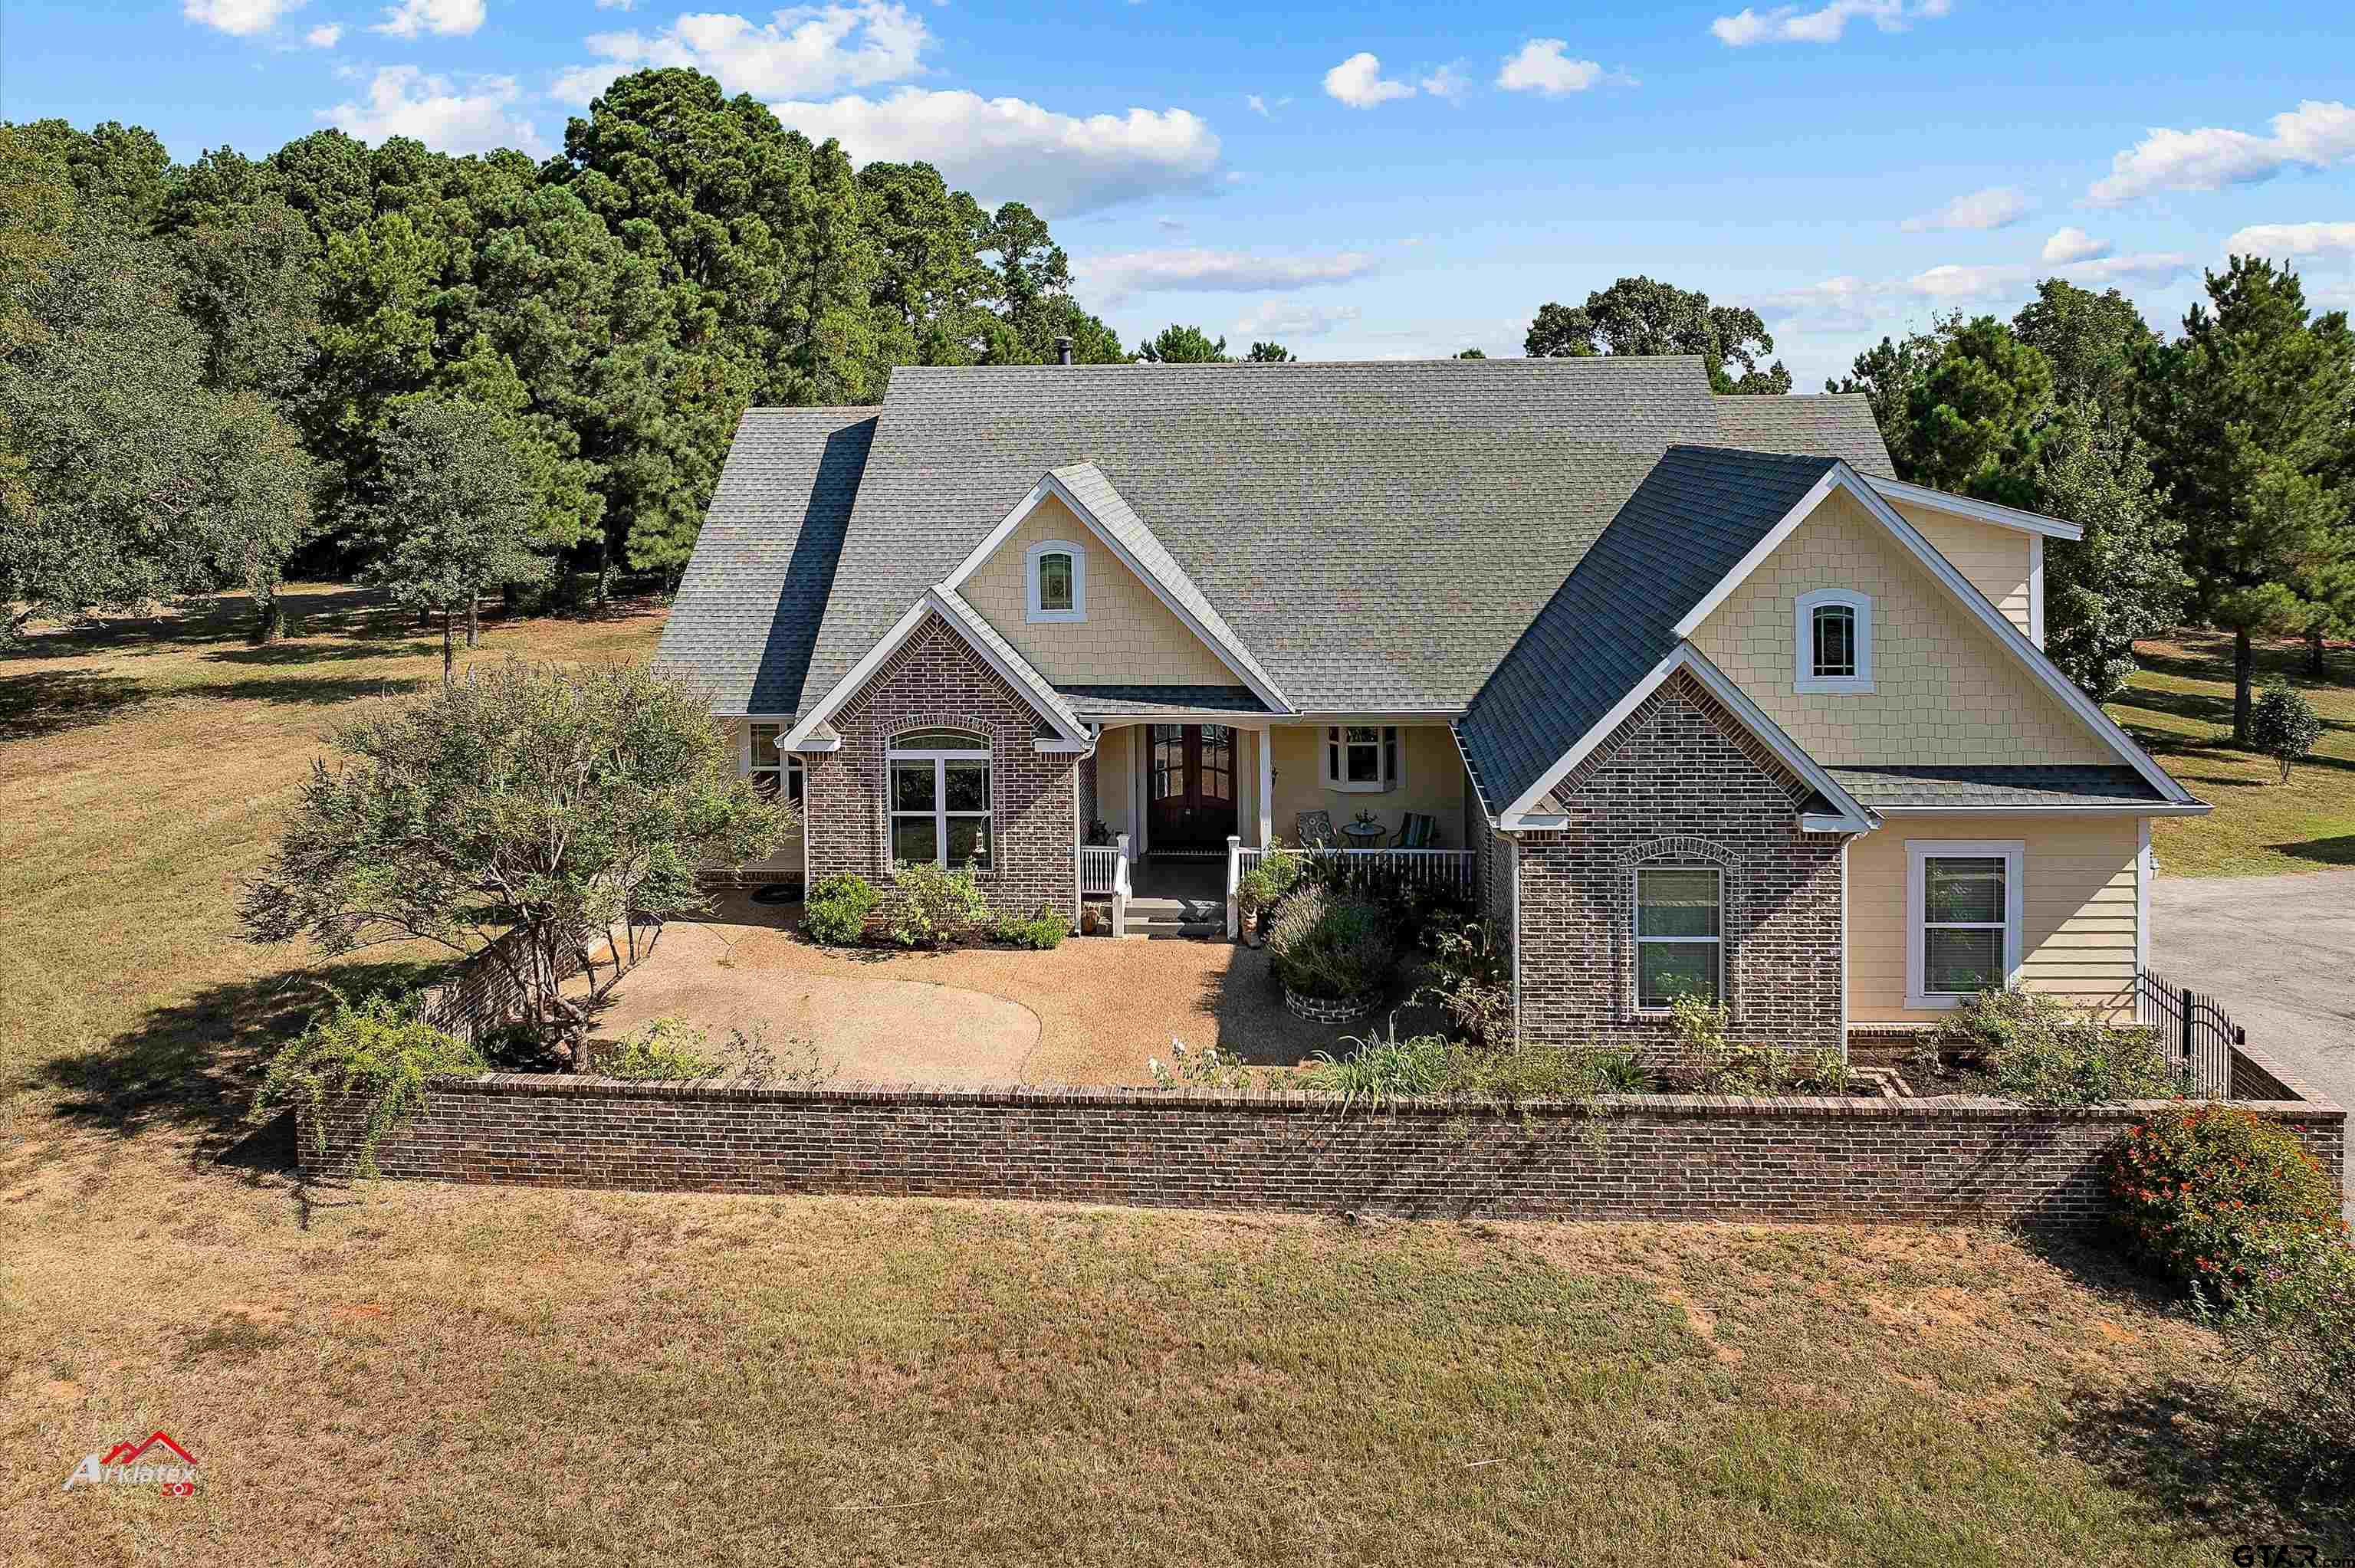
{"x": 2285, "y": 727}
{"x": 381, "y": 1048}
{"x": 457, "y": 513}
{"x": 552, "y": 803}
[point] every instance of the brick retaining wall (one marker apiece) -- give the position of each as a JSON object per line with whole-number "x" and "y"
{"x": 1654, "y": 1157}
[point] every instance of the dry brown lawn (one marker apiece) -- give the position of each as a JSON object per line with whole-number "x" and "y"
{"x": 413, "y": 1374}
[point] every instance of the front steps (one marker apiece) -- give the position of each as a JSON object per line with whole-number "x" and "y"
{"x": 1199, "y": 918}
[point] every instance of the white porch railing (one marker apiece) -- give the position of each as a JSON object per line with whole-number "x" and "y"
{"x": 1447, "y": 867}
{"x": 1104, "y": 869}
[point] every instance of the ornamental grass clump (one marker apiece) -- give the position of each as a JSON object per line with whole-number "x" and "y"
{"x": 381, "y": 1048}
{"x": 2205, "y": 1193}
{"x": 1331, "y": 947}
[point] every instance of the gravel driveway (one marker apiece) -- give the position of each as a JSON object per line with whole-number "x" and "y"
{"x": 2279, "y": 952}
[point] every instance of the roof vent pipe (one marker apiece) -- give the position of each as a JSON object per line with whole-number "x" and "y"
{"x": 1062, "y": 351}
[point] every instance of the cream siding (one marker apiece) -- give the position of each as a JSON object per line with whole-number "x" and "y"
{"x": 1129, "y": 637}
{"x": 1432, "y": 781}
{"x": 2077, "y": 920}
{"x": 1946, "y": 691}
{"x": 1998, "y": 561}
{"x": 788, "y": 856}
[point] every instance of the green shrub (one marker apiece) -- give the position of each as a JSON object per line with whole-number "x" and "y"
{"x": 835, "y": 910}
{"x": 1720, "y": 1067}
{"x": 2293, "y": 1322}
{"x": 2045, "y": 1052}
{"x": 666, "y": 1048}
{"x": 1470, "y": 973}
{"x": 2285, "y": 727}
{"x": 381, "y": 1048}
{"x": 1335, "y": 949}
{"x": 933, "y": 905}
{"x": 1264, "y": 885}
{"x": 2204, "y": 1192}
{"x": 1381, "y": 1067}
{"x": 1041, "y": 932}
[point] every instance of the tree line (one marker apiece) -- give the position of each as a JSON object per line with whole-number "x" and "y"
{"x": 445, "y": 373}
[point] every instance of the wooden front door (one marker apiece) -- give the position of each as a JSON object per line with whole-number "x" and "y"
{"x": 1189, "y": 785}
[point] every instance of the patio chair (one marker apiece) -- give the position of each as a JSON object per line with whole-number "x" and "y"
{"x": 1419, "y": 831}
{"x": 1314, "y": 829}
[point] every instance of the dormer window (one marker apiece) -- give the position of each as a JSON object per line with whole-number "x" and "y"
{"x": 1832, "y": 641}
{"x": 1057, "y": 574}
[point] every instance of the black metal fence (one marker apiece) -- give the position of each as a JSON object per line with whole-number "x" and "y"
{"x": 2194, "y": 1028}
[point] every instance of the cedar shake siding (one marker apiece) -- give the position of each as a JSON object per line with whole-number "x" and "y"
{"x": 936, "y": 679}
{"x": 1681, "y": 782}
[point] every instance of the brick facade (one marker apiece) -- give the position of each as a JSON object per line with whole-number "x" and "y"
{"x": 1653, "y": 1157}
{"x": 936, "y": 679}
{"x": 1681, "y": 782}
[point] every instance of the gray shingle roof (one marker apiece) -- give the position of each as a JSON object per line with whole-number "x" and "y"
{"x": 1376, "y": 534}
{"x": 1144, "y": 702}
{"x": 1834, "y": 424}
{"x": 1690, "y": 522}
{"x": 1924, "y": 785}
{"x": 748, "y": 605}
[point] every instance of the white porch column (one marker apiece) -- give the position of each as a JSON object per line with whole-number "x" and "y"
{"x": 1234, "y": 869}
{"x": 1266, "y": 786}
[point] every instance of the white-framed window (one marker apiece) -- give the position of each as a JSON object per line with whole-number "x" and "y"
{"x": 1831, "y": 640}
{"x": 1361, "y": 759}
{"x": 1055, "y": 579}
{"x": 938, "y": 799}
{"x": 1679, "y": 935}
{"x": 772, "y": 770}
{"x": 1963, "y": 903}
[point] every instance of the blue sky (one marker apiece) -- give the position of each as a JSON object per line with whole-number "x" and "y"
{"x": 1387, "y": 180}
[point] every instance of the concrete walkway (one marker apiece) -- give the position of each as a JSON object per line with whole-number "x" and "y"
{"x": 2279, "y": 953}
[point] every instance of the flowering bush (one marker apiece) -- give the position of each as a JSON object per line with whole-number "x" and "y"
{"x": 2204, "y": 1193}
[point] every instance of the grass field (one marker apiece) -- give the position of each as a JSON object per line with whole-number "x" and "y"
{"x": 400, "y": 1374}
{"x": 2179, "y": 705}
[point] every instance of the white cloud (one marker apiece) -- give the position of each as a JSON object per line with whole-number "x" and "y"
{"x": 1789, "y": 25}
{"x": 1448, "y": 82}
{"x": 810, "y": 49}
{"x": 2074, "y": 245}
{"x": 1290, "y": 318}
{"x": 1256, "y": 105}
{"x": 238, "y": 18}
{"x": 1170, "y": 225}
{"x": 1852, "y": 303}
{"x": 1007, "y": 149}
{"x": 617, "y": 5}
{"x": 2314, "y": 136}
{"x": 1265, "y": 107}
{"x": 444, "y": 18}
{"x": 326, "y": 38}
{"x": 1997, "y": 206}
{"x": 1112, "y": 277}
{"x": 475, "y": 118}
{"x": 1540, "y": 67}
{"x": 1357, "y": 82}
{"x": 2292, "y": 240}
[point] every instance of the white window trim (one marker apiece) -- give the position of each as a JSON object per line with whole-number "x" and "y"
{"x": 1390, "y": 759}
{"x": 1032, "y": 610}
{"x": 1803, "y": 641}
{"x": 940, "y": 813}
{"x": 1918, "y": 853}
{"x": 793, "y": 783}
{"x": 1635, "y": 933}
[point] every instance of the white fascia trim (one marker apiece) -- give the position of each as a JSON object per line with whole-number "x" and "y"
{"x": 1998, "y": 624}
{"x": 1227, "y": 717}
{"x": 2036, "y": 589}
{"x": 1049, "y": 485}
{"x": 1977, "y": 511}
{"x": 2139, "y": 809}
{"x": 1064, "y": 747}
{"x": 1851, "y": 818}
{"x": 797, "y": 738}
{"x": 1377, "y": 715}
{"x": 751, "y": 717}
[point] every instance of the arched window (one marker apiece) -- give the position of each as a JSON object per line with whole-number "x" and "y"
{"x": 1056, "y": 581}
{"x": 1832, "y": 641}
{"x": 940, "y": 798}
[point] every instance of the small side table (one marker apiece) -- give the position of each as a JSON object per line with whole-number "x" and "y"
{"x": 1364, "y": 835}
